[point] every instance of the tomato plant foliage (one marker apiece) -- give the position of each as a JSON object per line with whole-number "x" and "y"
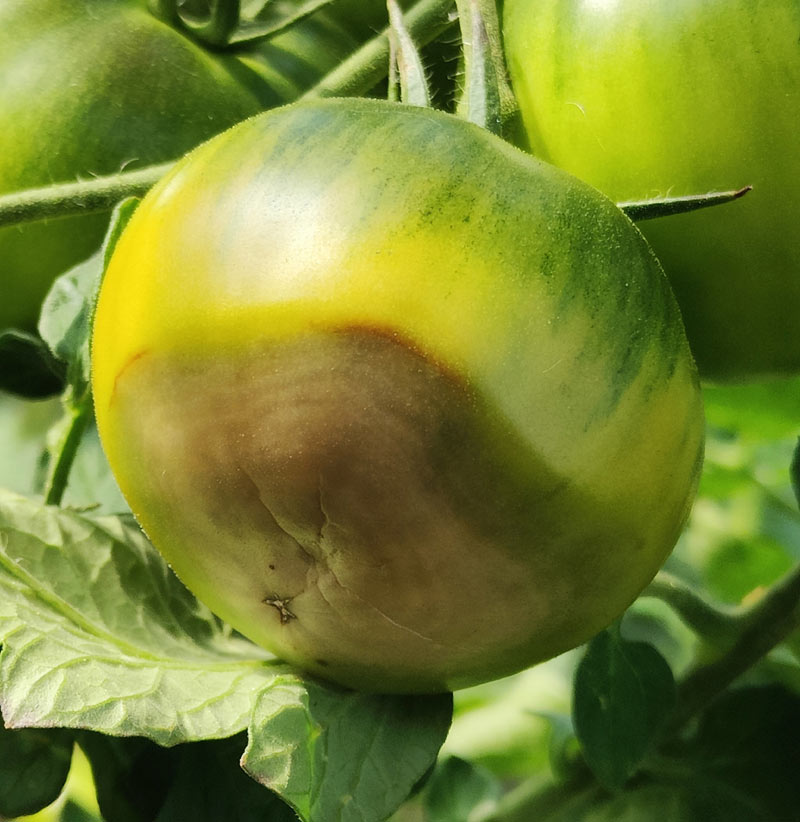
{"x": 333, "y": 284}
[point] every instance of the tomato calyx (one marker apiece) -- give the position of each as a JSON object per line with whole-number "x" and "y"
{"x": 214, "y": 30}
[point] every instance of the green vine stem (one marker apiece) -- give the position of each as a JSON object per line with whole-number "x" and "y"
{"x": 720, "y": 625}
{"x": 486, "y": 97}
{"x": 761, "y": 627}
{"x": 83, "y": 197}
{"x": 67, "y": 434}
{"x": 356, "y": 75}
{"x": 539, "y": 798}
{"x": 367, "y": 66}
{"x": 405, "y": 64}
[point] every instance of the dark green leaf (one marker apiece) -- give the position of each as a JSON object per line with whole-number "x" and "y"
{"x": 33, "y": 768}
{"x": 741, "y": 766}
{"x": 210, "y": 786}
{"x": 27, "y": 368}
{"x": 132, "y": 776}
{"x": 138, "y": 781}
{"x": 458, "y": 791}
{"x": 750, "y": 740}
{"x": 623, "y": 692}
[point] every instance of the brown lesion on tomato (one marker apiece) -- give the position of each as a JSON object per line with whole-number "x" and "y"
{"x": 128, "y": 363}
{"x": 281, "y": 605}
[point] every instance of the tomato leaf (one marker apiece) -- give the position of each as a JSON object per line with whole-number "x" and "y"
{"x": 623, "y": 692}
{"x": 272, "y": 18}
{"x": 795, "y": 472}
{"x": 98, "y": 634}
{"x": 33, "y": 768}
{"x": 138, "y": 781}
{"x": 312, "y": 744}
{"x": 27, "y": 368}
{"x": 459, "y": 791}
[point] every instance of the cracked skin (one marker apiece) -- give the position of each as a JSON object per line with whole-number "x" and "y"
{"x": 380, "y": 441}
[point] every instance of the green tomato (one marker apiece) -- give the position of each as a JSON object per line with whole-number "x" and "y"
{"x": 674, "y": 97}
{"x": 412, "y": 419}
{"x": 90, "y": 87}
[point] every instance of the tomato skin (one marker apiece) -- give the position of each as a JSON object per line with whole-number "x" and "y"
{"x": 94, "y": 86}
{"x": 645, "y": 98}
{"x": 412, "y": 420}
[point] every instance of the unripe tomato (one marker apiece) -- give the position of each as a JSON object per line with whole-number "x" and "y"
{"x": 403, "y": 404}
{"x": 645, "y": 98}
{"x": 90, "y": 87}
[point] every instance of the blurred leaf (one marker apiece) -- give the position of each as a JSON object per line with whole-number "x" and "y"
{"x": 336, "y": 754}
{"x": 749, "y": 739}
{"x": 501, "y": 725}
{"x": 33, "y": 768}
{"x": 459, "y": 791}
{"x": 739, "y": 566}
{"x": 66, "y": 318}
{"x": 758, "y": 410}
{"x": 27, "y": 368}
{"x": 740, "y": 766}
{"x": 563, "y": 744}
{"x": 91, "y": 482}
{"x": 23, "y": 428}
{"x": 623, "y": 692}
{"x": 795, "y": 472}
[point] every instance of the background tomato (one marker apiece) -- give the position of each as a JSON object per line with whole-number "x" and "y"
{"x": 410, "y": 419}
{"x": 90, "y": 87}
{"x": 644, "y": 98}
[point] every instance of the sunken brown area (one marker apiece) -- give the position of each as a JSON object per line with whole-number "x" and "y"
{"x": 351, "y": 505}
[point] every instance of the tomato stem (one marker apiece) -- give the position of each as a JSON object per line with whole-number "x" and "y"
{"x": 215, "y": 31}
{"x": 356, "y": 75}
{"x": 67, "y": 432}
{"x": 486, "y": 97}
{"x": 83, "y": 197}
{"x": 367, "y": 66}
{"x": 405, "y": 63}
{"x": 718, "y": 624}
{"x": 762, "y": 626}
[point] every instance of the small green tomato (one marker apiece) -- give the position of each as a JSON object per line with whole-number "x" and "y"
{"x": 650, "y": 98}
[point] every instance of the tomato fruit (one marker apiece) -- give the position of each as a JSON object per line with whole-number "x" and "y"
{"x": 90, "y": 87}
{"x": 673, "y": 97}
{"x": 410, "y": 419}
